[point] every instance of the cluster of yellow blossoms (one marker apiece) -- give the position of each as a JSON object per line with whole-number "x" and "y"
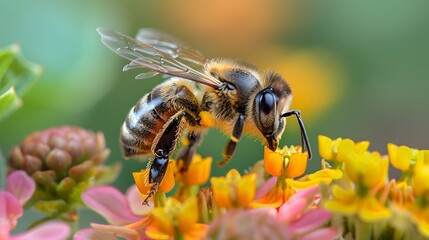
{"x": 375, "y": 205}
{"x": 353, "y": 188}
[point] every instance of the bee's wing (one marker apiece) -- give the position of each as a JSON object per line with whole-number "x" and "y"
{"x": 170, "y": 45}
{"x": 167, "y": 60}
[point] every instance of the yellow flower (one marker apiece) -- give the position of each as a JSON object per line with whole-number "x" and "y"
{"x": 198, "y": 171}
{"x": 366, "y": 170}
{"x": 348, "y": 202}
{"x": 289, "y": 162}
{"x": 324, "y": 175}
{"x": 339, "y": 149}
{"x": 403, "y": 157}
{"x": 175, "y": 220}
{"x": 420, "y": 183}
{"x": 234, "y": 191}
{"x": 142, "y": 180}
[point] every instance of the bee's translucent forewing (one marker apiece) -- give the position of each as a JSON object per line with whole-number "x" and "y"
{"x": 161, "y": 57}
{"x": 170, "y": 45}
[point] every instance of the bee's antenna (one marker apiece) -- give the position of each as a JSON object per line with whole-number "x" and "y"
{"x": 304, "y": 137}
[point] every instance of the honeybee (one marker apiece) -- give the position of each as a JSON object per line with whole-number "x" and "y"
{"x": 239, "y": 97}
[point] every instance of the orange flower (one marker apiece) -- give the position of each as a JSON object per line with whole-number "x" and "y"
{"x": 198, "y": 171}
{"x": 289, "y": 162}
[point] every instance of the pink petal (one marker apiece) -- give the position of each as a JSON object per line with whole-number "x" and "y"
{"x": 266, "y": 187}
{"x": 123, "y": 232}
{"x": 135, "y": 202}
{"x": 321, "y": 234}
{"x": 306, "y": 193}
{"x": 310, "y": 220}
{"x": 52, "y": 230}
{"x": 110, "y": 203}
{"x": 92, "y": 234}
{"x": 10, "y": 210}
{"x": 292, "y": 209}
{"x": 20, "y": 185}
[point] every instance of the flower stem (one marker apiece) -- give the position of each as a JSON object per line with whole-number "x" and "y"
{"x": 362, "y": 230}
{"x": 2, "y": 171}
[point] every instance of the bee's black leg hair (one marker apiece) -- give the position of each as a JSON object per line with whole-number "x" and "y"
{"x": 188, "y": 151}
{"x": 304, "y": 138}
{"x": 235, "y": 137}
{"x": 165, "y": 144}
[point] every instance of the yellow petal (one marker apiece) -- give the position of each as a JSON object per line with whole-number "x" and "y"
{"x": 420, "y": 181}
{"x": 188, "y": 215}
{"x": 304, "y": 184}
{"x": 361, "y": 147}
{"x": 343, "y": 194}
{"x": 221, "y": 192}
{"x": 326, "y": 173}
{"x": 345, "y": 147}
{"x": 403, "y": 158}
{"x": 325, "y": 147}
{"x": 422, "y": 221}
{"x": 162, "y": 221}
{"x": 273, "y": 162}
{"x": 297, "y": 164}
{"x": 343, "y": 207}
{"x": 246, "y": 190}
{"x": 371, "y": 210}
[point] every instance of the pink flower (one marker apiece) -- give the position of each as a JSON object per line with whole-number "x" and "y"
{"x": 304, "y": 219}
{"x": 125, "y": 213}
{"x": 19, "y": 189}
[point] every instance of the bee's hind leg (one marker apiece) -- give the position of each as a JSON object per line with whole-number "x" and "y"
{"x": 235, "y": 137}
{"x": 164, "y": 145}
{"x": 188, "y": 151}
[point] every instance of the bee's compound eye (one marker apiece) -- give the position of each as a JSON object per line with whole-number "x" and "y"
{"x": 230, "y": 86}
{"x": 267, "y": 102}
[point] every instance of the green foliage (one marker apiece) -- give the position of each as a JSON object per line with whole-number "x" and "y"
{"x": 17, "y": 75}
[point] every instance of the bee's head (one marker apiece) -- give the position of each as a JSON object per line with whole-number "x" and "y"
{"x": 268, "y": 107}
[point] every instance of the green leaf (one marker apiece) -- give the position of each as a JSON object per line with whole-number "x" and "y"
{"x": 17, "y": 75}
{"x": 9, "y": 102}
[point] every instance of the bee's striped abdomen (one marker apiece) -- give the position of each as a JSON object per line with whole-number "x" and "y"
{"x": 140, "y": 128}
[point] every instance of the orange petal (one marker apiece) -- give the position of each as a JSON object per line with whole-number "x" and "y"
{"x": 168, "y": 182}
{"x": 142, "y": 182}
{"x": 198, "y": 172}
{"x": 274, "y": 198}
{"x": 273, "y": 161}
{"x": 297, "y": 164}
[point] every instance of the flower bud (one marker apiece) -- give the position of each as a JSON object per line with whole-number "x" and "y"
{"x": 63, "y": 161}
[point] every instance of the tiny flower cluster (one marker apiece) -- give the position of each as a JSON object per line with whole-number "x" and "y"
{"x": 351, "y": 197}
{"x": 265, "y": 203}
{"x": 373, "y": 205}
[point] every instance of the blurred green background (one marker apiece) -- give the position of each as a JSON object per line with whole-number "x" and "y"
{"x": 358, "y": 69}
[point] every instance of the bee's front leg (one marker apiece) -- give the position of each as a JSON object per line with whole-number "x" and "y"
{"x": 235, "y": 138}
